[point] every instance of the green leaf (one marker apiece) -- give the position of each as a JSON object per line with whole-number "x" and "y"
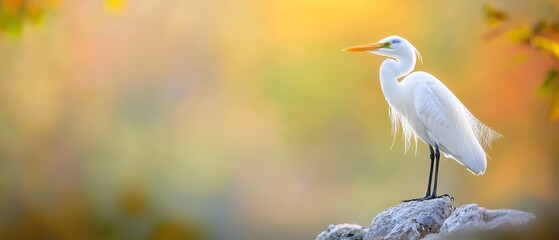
{"x": 550, "y": 77}
{"x": 549, "y": 83}
{"x": 11, "y": 24}
{"x": 553, "y": 112}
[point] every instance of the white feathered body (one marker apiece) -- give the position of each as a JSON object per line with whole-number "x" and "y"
{"x": 426, "y": 109}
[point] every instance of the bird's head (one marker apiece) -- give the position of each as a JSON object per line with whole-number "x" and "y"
{"x": 394, "y": 47}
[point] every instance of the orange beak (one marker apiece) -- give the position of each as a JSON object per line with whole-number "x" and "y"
{"x": 362, "y": 48}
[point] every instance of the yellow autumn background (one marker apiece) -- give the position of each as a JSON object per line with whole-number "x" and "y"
{"x": 243, "y": 119}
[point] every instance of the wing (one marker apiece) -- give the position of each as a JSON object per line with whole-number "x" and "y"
{"x": 447, "y": 123}
{"x": 483, "y": 133}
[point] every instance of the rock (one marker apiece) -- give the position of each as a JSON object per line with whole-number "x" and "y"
{"x": 411, "y": 220}
{"x": 343, "y": 232}
{"x": 471, "y": 219}
{"x": 435, "y": 219}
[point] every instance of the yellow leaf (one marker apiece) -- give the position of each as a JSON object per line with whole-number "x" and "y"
{"x": 520, "y": 34}
{"x": 493, "y": 17}
{"x": 546, "y": 44}
{"x": 34, "y": 12}
{"x": 115, "y": 6}
{"x": 52, "y": 3}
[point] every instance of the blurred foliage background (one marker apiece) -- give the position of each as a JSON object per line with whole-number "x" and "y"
{"x": 243, "y": 119}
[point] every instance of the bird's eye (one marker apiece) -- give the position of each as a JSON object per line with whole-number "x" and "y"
{"x": 387, "y": 44}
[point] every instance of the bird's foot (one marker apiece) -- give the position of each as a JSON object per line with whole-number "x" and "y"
{"x": 419, "y": 199}
{"x": 429, "y": 197}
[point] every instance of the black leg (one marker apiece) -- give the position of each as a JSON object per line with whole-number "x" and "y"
{"x": 432, "y": 157}
{"x": 428, "y": 194}
{"x": 437, "y": 157}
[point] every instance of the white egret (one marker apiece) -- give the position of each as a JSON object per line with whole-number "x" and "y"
{"x": 426, "y": 109}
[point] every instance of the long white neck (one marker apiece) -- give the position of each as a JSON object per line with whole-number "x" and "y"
{"x": 390, "y": 71}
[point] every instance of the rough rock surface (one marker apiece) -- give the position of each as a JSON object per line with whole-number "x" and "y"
{"x": 471, "y": 218}
{"x": 431, "y": 219}
{"x": 411, "y": 220}
{"x": 343, "y": 232}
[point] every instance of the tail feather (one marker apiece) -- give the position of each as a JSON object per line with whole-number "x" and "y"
{"x": 475, "y": 159}
{"x": 471, "y": 155}
{"x": 484, "y": 134}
